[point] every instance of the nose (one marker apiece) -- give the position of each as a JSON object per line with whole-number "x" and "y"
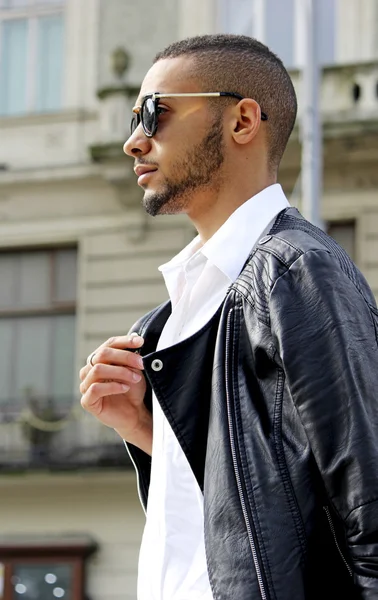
{"x": 138, "y": 143}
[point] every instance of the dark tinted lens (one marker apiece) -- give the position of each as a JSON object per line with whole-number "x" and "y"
{"x": 135, "y": 120}
{"x": 148, "y": 116}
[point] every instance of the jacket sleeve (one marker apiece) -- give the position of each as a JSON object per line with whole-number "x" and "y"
{"x": 325, "y": 331}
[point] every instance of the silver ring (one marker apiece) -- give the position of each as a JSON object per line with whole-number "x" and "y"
{"x": 91, "y": 358}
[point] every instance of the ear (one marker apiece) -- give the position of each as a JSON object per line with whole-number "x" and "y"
{"x": 246, "y": 121}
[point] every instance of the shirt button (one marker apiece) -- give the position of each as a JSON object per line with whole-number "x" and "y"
{"x": 157, "y": 365}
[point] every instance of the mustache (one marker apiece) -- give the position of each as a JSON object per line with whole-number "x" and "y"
{"x": 142, "y": 161}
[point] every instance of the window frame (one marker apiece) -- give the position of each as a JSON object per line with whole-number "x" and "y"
{"x": 56, "y": 308}
{"x": 345, "y": 222}
{"x": 34, "y": 10}
{"x": 262, "y": 17}
{"x": 72, "y": 552}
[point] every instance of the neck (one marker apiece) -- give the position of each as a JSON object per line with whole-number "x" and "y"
{"x": 211, "y": 210}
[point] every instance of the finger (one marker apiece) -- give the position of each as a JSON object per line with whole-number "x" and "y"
{"x": 92, "y": 400}
{"x": 114, "y": 356}
{"x": 101, "y": 372}
{"x": 84, "y": 372}
{"x": 133, "y": 341}
{"x": 123, "y": 341}
{"x": 108, "y": 355}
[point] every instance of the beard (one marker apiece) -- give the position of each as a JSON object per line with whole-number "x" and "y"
{"x": 199, "y": 169}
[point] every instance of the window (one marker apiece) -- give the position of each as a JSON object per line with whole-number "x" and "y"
{"x": 40, "y": 569}
{"x": 344, "y": 233}
{"x": 37, "y": 330}
{"x": 275, "y": 23}
{"x": 31, "y": 56}
{"x": 47, "y": 580}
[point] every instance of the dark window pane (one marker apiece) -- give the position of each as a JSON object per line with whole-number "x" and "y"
{"x": 37, "y": 367}
{"x": 8, "y": 277}
{"x": 7, "y": 330}
{"x": 49, "y": 63}
{"x": 35, "y": 280}
{"x": 38, "y": 360}
{"x": 13, "y": 67}
{"x": 327, "y": 31}
{"x": 42, "y": 582}
{"x": 344, "y": 233}
{"x": 46, "y": 2}
{"x": 280, "y": 30}
{"x": 236, "y": 16}
{"x": 14, "y": 3}
{"x": 65, "y": 275}
{"x": 62, "y": 353}
{"x": 277, "y": 19}
{"x": 17, "y": 4}
{"x": 32, "y": 358}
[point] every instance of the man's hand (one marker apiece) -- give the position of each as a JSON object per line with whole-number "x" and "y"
{"x": 113, "y": 389}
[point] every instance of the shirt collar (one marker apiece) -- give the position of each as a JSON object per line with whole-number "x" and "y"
{"x": 185, "y": 255}
{"x": 231, "y": 244}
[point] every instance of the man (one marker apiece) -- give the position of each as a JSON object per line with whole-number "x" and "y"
{"x": 261, "y": 372}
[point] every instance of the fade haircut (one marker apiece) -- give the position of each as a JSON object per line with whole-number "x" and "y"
{"x": 238, "y": 63}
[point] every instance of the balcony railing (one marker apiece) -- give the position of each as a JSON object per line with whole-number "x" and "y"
{"x": 348, "y": 93}
{"x": 58, "y": 439}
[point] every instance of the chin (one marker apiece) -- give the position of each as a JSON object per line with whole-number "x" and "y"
{"x": 160, "y": 203}
{"x": 151, "y": 203}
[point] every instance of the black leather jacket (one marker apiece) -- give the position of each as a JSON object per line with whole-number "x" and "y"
{"x": 275, "y": 405}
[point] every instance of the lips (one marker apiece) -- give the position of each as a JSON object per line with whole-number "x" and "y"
{"x": 143, "y": 169}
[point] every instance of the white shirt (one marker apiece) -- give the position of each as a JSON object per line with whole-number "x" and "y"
{"x": 172, "y": 561}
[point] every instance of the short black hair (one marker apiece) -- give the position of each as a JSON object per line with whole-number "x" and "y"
{"x": 238, "y": 63}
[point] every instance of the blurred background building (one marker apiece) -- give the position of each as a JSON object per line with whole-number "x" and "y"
{"x": 79, "y": 258}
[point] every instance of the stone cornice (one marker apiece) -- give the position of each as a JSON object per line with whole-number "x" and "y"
{"x": 63, "y": 116}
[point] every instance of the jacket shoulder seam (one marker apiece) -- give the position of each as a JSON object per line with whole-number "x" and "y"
{"x": 277, "y": 255}
{"x": 285, "y": 241}
{"x": 244, "y": 285}
{"x": 304, "y": 253}
{"x": 325, "y": 251}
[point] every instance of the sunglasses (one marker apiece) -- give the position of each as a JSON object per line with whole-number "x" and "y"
{"x": 148, "y": 112}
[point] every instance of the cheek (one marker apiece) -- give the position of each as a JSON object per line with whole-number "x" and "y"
{"x": 175, "y": 140}
{"x": 170, "y": 152}
{"x": 180, "y": 130}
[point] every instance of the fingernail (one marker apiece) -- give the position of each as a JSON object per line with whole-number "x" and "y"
{"x": 140, "y": 362}
{"x": 134, "y": 334}
{"x": 137, "y": 339}
{"x": 125, "y": 388}
{"x": 136, "y": 377}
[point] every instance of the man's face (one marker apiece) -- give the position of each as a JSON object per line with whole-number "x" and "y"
{"x": 186, "y": 153}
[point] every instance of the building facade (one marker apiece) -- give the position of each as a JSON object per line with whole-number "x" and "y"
{"x": 79, "y": 257}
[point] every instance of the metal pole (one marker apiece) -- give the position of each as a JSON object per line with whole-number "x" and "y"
{"x": 312, "y": 164}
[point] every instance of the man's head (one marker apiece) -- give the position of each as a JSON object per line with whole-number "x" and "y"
{"x": 201, "y": 142}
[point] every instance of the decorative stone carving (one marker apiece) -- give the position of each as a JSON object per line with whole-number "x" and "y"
{"x": 120, "y": 61}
